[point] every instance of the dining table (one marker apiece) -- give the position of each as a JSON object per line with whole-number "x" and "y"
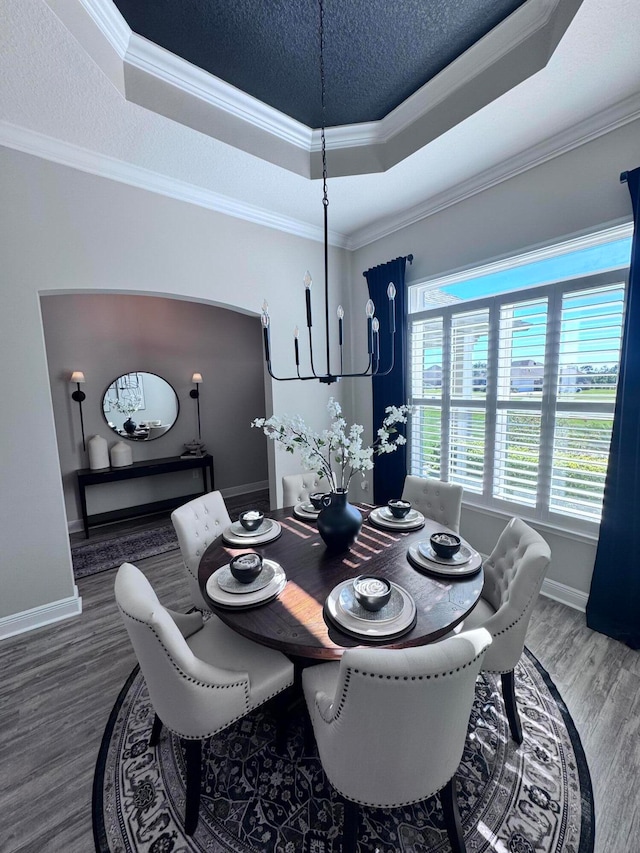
{"x": 296, "y": 621}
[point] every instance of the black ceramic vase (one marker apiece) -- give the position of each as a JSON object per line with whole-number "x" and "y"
{"x": 338, "y": 522}
{"x": 129, "y": 426}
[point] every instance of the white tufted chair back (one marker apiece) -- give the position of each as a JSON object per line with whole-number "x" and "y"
{"x": 296, "y": 488}
{"x": 442, "y": 502}
{"x": 390, "y": 724}
{"x": 513, "y": 575}
{"x": 197, "y": 524}
{"x": 192, "y": 697}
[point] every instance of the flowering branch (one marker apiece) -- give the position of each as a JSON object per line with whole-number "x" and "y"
{"x": 336, "y": 445}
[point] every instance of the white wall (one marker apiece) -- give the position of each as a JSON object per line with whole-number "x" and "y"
{"x": 66, "y": 231}
{"x": 575, "y": 193}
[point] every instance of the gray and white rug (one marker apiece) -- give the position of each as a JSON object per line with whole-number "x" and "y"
{"x": 535, "y": 798}
{"x": 103, "y": 550}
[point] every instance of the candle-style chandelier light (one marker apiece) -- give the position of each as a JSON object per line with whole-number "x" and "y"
{"x": 373, "y": 324}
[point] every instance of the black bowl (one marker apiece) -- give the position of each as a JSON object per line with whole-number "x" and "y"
{"x": 246, "y": 567}
{"x": 316, "y": 499}
{"x": 253, "y": 521}
{"x": 445, "y": 544}
{"x": 398, "y": 507}
{"x": 372, "y": 592}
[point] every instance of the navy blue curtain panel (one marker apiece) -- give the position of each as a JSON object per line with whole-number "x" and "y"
{"x": 389, "y": 469}
{"x": 614, "y": 602}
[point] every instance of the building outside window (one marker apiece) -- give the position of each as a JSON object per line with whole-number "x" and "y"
{"x": 513, "y": 371}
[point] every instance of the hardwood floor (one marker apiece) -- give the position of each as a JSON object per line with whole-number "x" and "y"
{"x": 59, "y": 684}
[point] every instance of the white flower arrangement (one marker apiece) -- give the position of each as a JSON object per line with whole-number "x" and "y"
{"x": 336, "y": 445}
{"x": 125, "y": 405}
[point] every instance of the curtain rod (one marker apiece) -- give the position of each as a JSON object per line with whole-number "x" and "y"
{"x": 623, "y": 177}
{"x": 405, "y": 257}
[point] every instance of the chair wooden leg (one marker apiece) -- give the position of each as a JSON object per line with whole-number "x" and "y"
{"x": 156, "y": 731}
{"x": 350, "y": 828}
{"x": 452, "y": 821}
{"x": 509, "y": 696}
{"x": 193, "y": 751}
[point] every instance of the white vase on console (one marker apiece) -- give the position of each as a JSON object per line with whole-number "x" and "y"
{"x": 121, "y": 455}
{"x": 98, "y": 453}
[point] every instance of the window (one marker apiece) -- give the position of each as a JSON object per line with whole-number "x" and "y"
{"x": 514, "y": 391}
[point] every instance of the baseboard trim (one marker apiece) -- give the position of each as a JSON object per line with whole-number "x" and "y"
{"x": 245, "y": 489}
{"x": 76, "y": 525}
{"x": 38, "y": 617}
{"x": 568, "y": 595}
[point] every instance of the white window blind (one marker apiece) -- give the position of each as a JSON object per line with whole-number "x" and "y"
{"x": 514, "y": 395}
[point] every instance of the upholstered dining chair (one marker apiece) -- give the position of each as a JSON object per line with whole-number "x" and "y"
{"x": 197, "y": 523}
{"x": 439, "y": 501}
{"x": 513, "y": 575}
{"x": 201, "y": 677}
{"x": 390, "y": 724}
{"x": 297, "y": 487}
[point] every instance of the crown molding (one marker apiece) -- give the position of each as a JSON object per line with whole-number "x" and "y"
{"x": 579, "y": 134}
{"x": 158, "y": 80}
{"x": 104, "y": 166}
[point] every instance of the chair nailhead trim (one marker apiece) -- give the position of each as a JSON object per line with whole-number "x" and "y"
{"x": 347, "y": 679}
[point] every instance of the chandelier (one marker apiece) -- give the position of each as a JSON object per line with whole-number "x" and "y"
{"x": 373, "y": 367}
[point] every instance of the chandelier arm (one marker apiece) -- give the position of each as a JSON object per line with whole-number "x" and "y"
{"x": 393, "y": 359}
{"x": 313, "y": 369}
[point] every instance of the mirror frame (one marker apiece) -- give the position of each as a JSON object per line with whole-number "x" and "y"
{"x": 132, "y": 437}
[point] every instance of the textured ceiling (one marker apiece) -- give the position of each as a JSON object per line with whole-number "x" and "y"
{"x": 55, "y": 99}
{"x": 377, "y": 53}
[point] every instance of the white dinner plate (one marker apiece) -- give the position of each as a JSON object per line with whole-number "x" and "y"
{"x": 306, "y": 511}
{"x": 237, "y": 529}
{"x": 375, "y": 627}
{"x": 349, "y": 604}
{"x": 449, "y": 571}
{"x": 274, "y": 530}
{"x": 228, "y": 583}
{"x": 412, "y": 516}
{"x": 459, "y": 558}
{"x": 379, "y": 519}
{"x": 248, "y": 599}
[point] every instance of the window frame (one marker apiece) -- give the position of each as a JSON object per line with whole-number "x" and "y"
{"x": 548, "y": 404}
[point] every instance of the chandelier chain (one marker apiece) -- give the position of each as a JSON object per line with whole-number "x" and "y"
{"x": 325, "y": 198}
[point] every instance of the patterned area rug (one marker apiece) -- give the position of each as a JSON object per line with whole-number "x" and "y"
{"x": 533, "y": 799}
{"x": 98, "y": 555}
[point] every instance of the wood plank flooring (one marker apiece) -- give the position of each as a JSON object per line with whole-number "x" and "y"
{"x": 59, "y": 684}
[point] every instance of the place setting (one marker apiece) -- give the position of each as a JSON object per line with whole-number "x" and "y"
{"x": 370, "y": 608}
{"x": 309, "y": 510}
{"x": 252, "y": 528}
{"x": 398, "y": 514}
{"x": 444, "y": 554}
{"x": 246, "y": 581}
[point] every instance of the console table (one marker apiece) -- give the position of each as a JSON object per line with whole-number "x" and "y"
{"x": 90, "y": 477}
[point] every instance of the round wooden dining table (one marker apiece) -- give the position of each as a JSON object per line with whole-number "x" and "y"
{"x": 295, "y": 622}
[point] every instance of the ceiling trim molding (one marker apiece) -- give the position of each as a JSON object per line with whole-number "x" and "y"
{"x": 165, "y": 66}
{"x": 595, "y": 126}
{"x": 104, "y": 166}
{"x": 510, "y": 53}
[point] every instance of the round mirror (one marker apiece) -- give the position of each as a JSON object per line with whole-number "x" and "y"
{"x": 140, "y": 406}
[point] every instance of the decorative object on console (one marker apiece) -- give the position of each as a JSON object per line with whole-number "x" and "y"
{"x": 195, "y": 395}
{"x": 98, "y": 453}
{"x": 193, "y": 448}
{"x": 373, "y": 324}
{"x": 121, "y": 455}
{"x": 79, "y": 396}
{"x": 320, "y": 451}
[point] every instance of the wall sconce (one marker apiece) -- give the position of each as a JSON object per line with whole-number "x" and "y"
{"x": 195, "y": 395}
{"x": 79, "y": 396}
